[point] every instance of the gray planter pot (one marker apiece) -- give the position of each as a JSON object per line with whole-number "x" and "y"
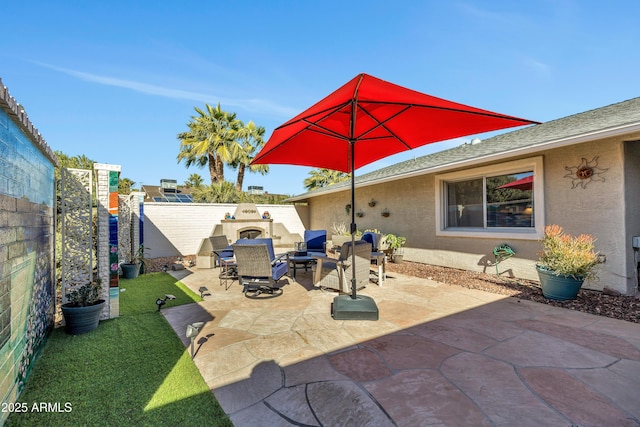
{"x": 130, "y": 271}
{"x": 559, "y": 288}
{"x": 80, "y": 320}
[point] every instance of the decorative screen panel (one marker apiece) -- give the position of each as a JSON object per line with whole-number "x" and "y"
{"x": 77, "y": 228}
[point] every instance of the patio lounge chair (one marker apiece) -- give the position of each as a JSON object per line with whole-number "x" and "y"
{"x": 210, "y": 251}
{"x": 336, "y": 274}
{"x": 221, "y": 248}
{"x": 316, "y": 241}
{"x": 257, "y": 272}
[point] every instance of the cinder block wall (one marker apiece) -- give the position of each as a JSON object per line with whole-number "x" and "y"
{"x": 26, "y": 245}
{"x": 177, "y": 229}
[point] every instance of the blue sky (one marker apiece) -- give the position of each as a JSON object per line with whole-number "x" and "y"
{"x": 118, "y": 80}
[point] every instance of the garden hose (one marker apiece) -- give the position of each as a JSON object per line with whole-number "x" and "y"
{"x": 501, "y": 253}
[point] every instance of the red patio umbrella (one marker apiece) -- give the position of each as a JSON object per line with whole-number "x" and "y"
{"x": 368, "y": 119}
{"x": 523, "y": 184}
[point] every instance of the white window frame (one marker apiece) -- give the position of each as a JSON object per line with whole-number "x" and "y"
{"x": 530, "y": 164}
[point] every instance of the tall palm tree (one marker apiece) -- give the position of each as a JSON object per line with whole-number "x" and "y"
{"x": 210, "y": 140}
{"x": 249, "y": 138}
{"x": 194, "y": 181}
{"x": 221, "y": 192}
{"x": 323, "y": 177}
{"x": 125, "y": 186}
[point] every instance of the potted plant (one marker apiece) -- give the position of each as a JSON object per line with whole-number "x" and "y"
{"x": 565, "y": 262}
{"x": 135, "y": 265}
{"x": 82, "y": 311}
{"x": 396, "y": 245}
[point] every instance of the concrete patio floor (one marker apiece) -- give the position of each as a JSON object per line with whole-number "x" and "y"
{"x": 439, "y": 355}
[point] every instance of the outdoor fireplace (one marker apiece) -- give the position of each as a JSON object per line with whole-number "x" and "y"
{"x": 250, "y": 233}
{"x": 248, "y": 223}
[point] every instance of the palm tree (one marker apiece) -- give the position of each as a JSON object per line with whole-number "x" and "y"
{"x": 249, "y": 140}
{"x": 210, "y": 140}
{"x": 125, "y": 186}
{"x": 221, "y": 192}
{"x": 323, "y": 177}
{"x": 194, "y": 181}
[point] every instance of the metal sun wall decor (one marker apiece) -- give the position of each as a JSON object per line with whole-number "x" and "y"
{"x": 585, "y": 172}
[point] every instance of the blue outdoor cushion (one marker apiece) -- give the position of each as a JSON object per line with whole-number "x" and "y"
{"x": 372, "y": 238}
{"x": 316, "y": 240}
{"x": 279, "y": 269}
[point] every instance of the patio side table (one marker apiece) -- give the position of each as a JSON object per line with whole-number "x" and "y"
{"x": 228, "y": 272}
{"x": 380, "y": 259}
{"x": 300, "y": 261}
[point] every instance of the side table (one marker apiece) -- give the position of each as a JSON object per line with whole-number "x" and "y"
{"x": 298, "y": 261}
{"x": 380, "y": 259}
{"x": 228, "y": 272}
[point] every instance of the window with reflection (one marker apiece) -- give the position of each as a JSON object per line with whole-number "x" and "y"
{"x": 490, "y": 202}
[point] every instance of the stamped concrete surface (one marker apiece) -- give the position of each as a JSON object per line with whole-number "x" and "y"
{"x": 439, "y": 355}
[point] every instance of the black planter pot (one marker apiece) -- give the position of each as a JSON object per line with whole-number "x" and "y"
{"x": 80, "y": 320}
{"x": 130, "y": 271}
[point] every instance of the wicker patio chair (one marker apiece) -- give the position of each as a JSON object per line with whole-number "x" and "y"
{"x": 256, "y": 272}
{"x": 336, "y": 274}
{"x": 221, "y": 248}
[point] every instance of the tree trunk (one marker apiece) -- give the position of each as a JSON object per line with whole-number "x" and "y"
{"x": 220, "y": 169}
{"x": 240, "y": 180}
{"x": 212, "y": 168}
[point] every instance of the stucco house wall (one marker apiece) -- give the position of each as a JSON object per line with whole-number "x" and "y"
{"x": 606, "y": 207}
{"x": 631, "y": 205}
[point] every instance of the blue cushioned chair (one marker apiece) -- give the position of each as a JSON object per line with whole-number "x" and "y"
{"x": 262, "y": 241}
{"x": 259, "y": 270}
{"x": 316, "y": 241}
{"x": 377, "y": 257}
{"x": 221, "y": 248}
{"x": 372, "y": 238}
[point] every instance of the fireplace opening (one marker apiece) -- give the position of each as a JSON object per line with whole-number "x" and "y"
{"x": 251, "y": 233}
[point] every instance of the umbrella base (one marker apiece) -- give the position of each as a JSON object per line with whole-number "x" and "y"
{"x": 361, "y": 308}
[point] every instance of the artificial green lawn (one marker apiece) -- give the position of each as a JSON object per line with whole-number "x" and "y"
{"x": 131, "y": 371}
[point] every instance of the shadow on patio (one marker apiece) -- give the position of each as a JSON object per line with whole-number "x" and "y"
{"x": 439, "y": 354}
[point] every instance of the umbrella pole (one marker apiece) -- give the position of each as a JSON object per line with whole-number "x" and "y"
{"x": 354, "y": 227}
{"x": 353, "y": 307}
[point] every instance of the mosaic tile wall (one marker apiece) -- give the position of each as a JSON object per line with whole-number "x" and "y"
{"x": 108, "y": 252}
{"x": 26, "y": 246}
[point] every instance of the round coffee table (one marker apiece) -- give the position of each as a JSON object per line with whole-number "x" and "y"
{"x": 300, "y": 261}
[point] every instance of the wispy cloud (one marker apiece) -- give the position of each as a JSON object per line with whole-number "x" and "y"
{"x": 539, "y": 67}
{"x": 487, "y": 16}
{"x": 252, "y": 105}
